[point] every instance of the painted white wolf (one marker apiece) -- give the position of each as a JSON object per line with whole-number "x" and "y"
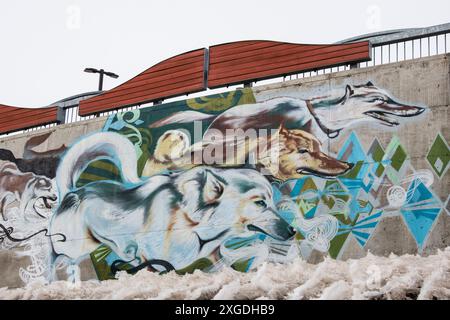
{"x": 177, "y": 218}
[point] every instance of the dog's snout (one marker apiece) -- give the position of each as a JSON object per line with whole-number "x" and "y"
{"x": 291, "y": 231}
{"x": 419, "y": 110}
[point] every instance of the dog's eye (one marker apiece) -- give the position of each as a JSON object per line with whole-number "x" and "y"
{"x": 303, "y": 151}
{"x": 261, "y": 203}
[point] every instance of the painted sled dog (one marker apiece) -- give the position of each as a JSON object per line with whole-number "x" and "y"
{"x": 287, "y": 154}
{"x": 301, "y": 125}
{"x": 178, "y": 217}
{"x": 324, "y": 116}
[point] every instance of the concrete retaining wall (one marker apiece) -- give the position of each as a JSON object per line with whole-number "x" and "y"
{"x": 91, "y": 216}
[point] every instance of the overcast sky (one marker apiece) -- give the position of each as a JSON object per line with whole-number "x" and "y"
{"x": 46, "y": 44}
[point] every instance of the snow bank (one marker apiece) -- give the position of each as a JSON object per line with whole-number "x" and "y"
{"x": 371, "y": 277}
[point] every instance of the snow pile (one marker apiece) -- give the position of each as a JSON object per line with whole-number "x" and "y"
{"x": 371, "y": 277}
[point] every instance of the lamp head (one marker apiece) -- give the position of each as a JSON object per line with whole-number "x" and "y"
{"x": 91, "y": 70}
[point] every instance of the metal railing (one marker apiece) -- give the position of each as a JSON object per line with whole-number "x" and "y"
{"x": 394, "y": 46}
{"x": 387, "y": 47}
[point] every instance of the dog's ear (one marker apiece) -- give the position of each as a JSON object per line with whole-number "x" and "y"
{"x": 199, "y": 187}
{"x": 307, "y": 126}
{"x": 369, "y": 84}
{"x": 212, "y": 187}
{"x": 348, "y": 92}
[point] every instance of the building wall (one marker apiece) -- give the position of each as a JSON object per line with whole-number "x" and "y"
{"x": 84, "y": 200}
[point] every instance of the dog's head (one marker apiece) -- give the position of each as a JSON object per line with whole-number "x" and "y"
{"x": 37, "y": 193}
{"x": 43, "y": 192}
{"x": 227, "y": 202}
{"x": 362, "y": 103}
{"x": 300, "y": 155}
{"x": 369, "y": 100}
{"x": 376, "y": 103}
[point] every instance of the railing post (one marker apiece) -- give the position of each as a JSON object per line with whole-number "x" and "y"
{"x": 61, "y": 115}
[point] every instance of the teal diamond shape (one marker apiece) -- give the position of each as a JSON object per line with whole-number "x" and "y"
{"x": 420, "y": 210}
{"x": 364, "y": 227}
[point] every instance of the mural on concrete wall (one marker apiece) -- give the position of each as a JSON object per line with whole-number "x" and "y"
{"x": 224, "y": 180}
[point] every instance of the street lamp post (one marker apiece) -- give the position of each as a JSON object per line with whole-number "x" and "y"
{"x": 102, "y": 73}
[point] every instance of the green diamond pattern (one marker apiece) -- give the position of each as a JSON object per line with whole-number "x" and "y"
{"x": 439, "y": 156}
{"x": 398, "y": 158}
{"x": 379, "y": 170}
{"x": 376, "y": 151}
{"x": 377, "y": 154}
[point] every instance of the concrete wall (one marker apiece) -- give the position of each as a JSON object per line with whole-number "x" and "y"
{"x": 81, "y": 201}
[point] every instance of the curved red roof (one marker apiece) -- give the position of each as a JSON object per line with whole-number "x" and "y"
{"x": 223, "y": 65}
{"x": 246, "y": 61}
{"x": 16, "y": 118}
{"x": 194, "y": 71}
